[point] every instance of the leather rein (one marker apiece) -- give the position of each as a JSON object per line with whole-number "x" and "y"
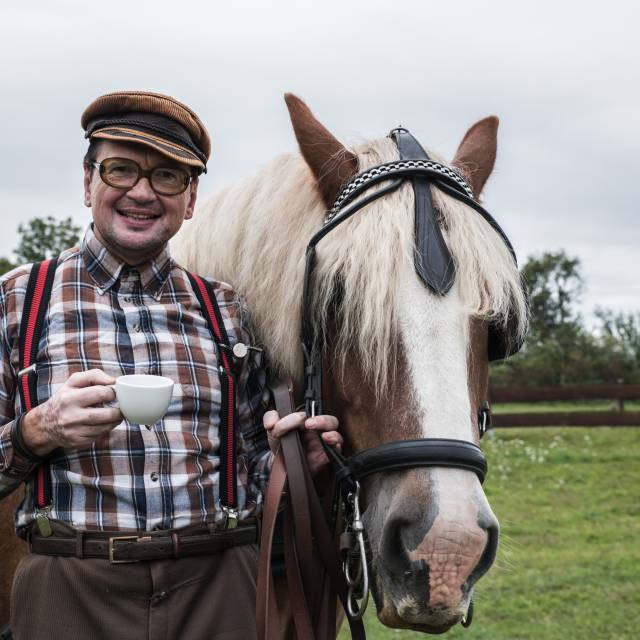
{"x": 351, "y": 583}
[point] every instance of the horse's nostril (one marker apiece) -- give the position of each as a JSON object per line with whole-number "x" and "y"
{"x": 393, "y": 553}
{"x": 492, "y": 528}
{"x": 398, "y": 540}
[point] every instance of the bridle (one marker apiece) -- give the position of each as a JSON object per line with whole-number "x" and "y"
{"x": 435, "y": 267}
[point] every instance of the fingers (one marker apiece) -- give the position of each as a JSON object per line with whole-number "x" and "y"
{"x": 95, "y": 395}
{"x": 99, "y": 416}
{"x": 333, "y": 438}
{"x": 269, "y": 419}
{"x": 312, "y": 441}
{"x": 325, "y": 426}
{"x": 89, "y": 378}
{"x": 283, "y": 425}
{"x": 84, "y": 436}
{"x": 277, "y": 426}
{"x": 322, "y": 423}
{"x": 328, "y": 428}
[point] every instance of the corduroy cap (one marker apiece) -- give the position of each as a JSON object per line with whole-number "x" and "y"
{"x": 152, "y": 119}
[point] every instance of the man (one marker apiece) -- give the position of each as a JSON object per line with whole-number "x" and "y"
{"x": 120, "y": 305}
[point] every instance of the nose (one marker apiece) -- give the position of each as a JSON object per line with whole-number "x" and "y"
{"x": 438, "y": 557}
{"x": 142, "y": 191}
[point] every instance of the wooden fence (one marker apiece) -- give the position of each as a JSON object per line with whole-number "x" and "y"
{"x": 617, "y": 393}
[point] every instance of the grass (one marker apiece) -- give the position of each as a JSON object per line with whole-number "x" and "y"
{"x": 569, "y": 559}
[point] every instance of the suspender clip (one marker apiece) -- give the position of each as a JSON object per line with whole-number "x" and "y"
{"x": 29, "y": 369}
{"x": 42, "y": 520}
{"x": 231, "y": 517}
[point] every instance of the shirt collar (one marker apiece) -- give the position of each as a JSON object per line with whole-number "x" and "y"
{"x": 105, "y": 269}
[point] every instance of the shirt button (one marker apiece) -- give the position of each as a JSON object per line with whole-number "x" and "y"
{"x": 137, "y": 328}
{"x": 127, "y": 299}
{"x": 154, "y": 477}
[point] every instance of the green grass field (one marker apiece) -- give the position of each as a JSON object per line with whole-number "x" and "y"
{"x": 569, "y": 559}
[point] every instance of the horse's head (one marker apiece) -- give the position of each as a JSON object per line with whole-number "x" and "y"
{"x": 403, "y": 362}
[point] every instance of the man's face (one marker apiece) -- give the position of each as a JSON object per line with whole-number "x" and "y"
{"x": 135, "y": 224}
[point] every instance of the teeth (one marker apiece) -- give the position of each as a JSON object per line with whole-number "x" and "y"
{"x": 137, "y": 216}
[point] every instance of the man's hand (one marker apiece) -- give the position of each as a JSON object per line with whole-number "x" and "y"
{"x": 73, "y": 417}
{"x": 327, "y": 426}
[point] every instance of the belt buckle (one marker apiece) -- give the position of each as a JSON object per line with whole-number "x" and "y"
{"x": 111, "y": 549}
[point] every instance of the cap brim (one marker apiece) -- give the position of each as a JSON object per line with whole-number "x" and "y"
{"x": 165, "y": 147}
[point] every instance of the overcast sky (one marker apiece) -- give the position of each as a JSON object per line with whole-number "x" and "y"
{"x": 562, "y": 76}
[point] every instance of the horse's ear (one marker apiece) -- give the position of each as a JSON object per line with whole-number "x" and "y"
{"x": 332, "y": 164}
{"x": 476, "y": 154}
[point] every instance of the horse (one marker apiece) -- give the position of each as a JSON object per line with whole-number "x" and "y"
{"x": 401, "y": 362}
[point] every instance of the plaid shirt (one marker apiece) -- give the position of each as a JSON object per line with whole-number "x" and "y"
{"x": 123, "y": 320}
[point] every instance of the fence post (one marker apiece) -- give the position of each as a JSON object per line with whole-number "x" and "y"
{"x": 620, "y": 400}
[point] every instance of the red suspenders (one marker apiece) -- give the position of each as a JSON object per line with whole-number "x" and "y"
{"x": 227, "y": 483}
{"x": 35, "y": 308}
{"x": 36, "y": 302}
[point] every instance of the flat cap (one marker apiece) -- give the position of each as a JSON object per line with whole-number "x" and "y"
{"x": 152, "y": 119}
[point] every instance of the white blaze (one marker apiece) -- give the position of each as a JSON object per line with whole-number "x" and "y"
{"x": 434, "y": 334}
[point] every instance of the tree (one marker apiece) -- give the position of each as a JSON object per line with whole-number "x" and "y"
{"x": 620, "y": 332}
{"x": 43, "y": 238}
{"x": 555, "y": 285}
{"x": 559, "y": 349}
{"x": 6, "y": 265}
{"x": 558, "y": 346}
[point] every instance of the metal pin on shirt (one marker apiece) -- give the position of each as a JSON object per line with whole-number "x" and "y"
{"x": 240, "y": 350}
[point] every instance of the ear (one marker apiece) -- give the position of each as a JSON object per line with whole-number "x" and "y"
{"x": 331, "y": 163}
{"x": 191, "y": 203}
{"x": 87, "y": 184}
{"x": 476, "y": 154}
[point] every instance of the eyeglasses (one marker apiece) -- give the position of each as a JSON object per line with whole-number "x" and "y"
{"x": 123, "y": 173}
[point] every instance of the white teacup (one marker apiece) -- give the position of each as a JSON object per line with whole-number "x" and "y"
{"x": 143, "y": 399}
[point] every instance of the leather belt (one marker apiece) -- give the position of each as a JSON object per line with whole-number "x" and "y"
{"x": 119, "y": 547}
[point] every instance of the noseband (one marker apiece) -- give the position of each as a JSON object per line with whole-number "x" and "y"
{"x": 435, "y": 267}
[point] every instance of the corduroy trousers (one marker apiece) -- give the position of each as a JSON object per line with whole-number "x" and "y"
{"x": 201, "y": 598}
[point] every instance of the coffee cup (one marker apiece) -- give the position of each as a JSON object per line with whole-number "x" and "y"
{"x": 143, "y": 399}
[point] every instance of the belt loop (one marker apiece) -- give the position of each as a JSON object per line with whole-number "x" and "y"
{"x": 212, "y": 527}
{"x": 79, "y": 544}
{"x": 175, "y": 539}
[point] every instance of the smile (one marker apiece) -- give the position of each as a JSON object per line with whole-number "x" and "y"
{"x": 134, "y": 215}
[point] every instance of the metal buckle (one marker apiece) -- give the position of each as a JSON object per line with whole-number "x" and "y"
{"x": 484, "y": 418}
{"x": 231, "y": 517}
{"x": 111, "y": 549}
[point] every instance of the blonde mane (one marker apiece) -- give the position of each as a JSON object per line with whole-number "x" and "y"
{"x": 253, "y": 235}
